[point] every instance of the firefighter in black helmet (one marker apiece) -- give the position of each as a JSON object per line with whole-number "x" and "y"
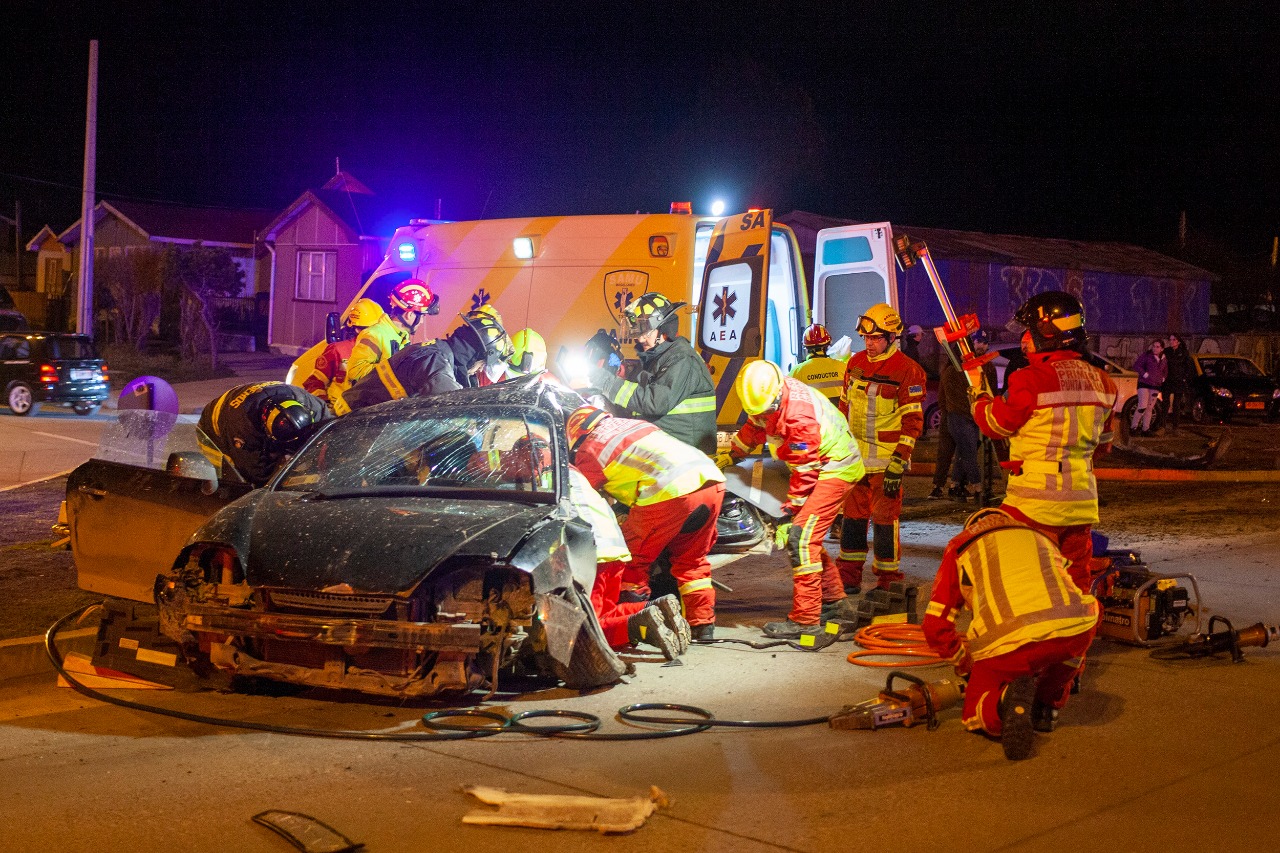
{"x": 673, "y": 388}
{"x": 248, "y": 431}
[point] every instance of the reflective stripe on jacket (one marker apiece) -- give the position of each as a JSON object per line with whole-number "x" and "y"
{"x": 329, "y": 372}
{"x": 884, "y": 399}
{"x": 1015, "y": 582}
{"x": 809, "y": 434}
{"x": 374, "y": 344}
{"x": 823, "y": 373}
{"x": 640, "y": 464}
{"x": 611, "y": 545}
{"x": 673, "y": 390}
{"x": 1056, "y": 412}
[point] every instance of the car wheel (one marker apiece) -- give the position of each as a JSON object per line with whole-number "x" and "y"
{"x": 21, "y": 399}
{"x": 933, "y": 419}
{"x": 1130, "y": 406}
{"x": 592, "y": 663}
{"x": 86, "y": 408}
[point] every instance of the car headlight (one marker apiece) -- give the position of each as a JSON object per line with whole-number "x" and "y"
{"x": 1221, "y": 392}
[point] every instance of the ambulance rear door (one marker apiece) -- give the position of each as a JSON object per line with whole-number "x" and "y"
{"x": 732, "y": 305}
{"x": 853, "y": 269}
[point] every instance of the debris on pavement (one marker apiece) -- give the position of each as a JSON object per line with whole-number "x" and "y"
{"x": 556, "y": 811}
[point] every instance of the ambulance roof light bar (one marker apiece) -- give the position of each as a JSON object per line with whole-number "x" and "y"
{"x": 684, "y": 208}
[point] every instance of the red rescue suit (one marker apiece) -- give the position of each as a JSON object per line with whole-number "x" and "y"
{"x": 1056, "y": 414}
{"x": 809, "y": 434}
{"x": 884, "y": 400}
{"x": 330, "y": 369}
{"x": 1029, "y": 618}
{"x": 674, "y": 492}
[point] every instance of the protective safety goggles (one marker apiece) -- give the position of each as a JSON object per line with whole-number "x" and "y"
{"x": 867, "y": 326}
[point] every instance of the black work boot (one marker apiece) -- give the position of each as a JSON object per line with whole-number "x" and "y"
{"x": 842, "y": 608}
{"x": 649, "y": 627}
{"x": 1015, "y": 717}
{"x": 703, "y": 633}
{"x": 672, "y": 615}
{"x": 788, "y": 630}
{"x": 1043, "y": 718}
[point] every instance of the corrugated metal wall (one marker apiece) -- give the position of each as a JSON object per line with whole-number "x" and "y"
{"x": 1113, "y": 303}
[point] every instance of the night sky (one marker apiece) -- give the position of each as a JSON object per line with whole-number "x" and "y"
{"x": 1056, "y": 119}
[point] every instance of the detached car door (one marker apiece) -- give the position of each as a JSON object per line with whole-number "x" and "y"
{"x": 129, "y": 523}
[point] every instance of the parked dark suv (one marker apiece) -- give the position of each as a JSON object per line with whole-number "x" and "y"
{"x": 46, "y": 367}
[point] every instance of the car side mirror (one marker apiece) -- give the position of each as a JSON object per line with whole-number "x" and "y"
{"x": 195, "y": 466}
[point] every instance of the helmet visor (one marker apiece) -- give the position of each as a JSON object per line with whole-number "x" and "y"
{"x": 867, "y": 326}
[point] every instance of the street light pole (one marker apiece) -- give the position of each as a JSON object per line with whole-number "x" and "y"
{"x": 84, "y": 303}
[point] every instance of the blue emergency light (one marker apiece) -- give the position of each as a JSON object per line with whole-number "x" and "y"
{"x": 408, "y": 252}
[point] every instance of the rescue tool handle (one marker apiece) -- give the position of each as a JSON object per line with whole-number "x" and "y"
{"x": 929, "y": 714}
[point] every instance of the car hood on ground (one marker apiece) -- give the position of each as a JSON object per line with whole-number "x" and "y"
{"x": 376, "y": 544}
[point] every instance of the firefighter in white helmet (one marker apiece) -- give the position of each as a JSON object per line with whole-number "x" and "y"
{"x": 804, "y": 430}
{"x": 883, "y": 399}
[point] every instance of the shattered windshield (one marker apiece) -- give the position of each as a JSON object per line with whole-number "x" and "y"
{"x": 456, "y": 448}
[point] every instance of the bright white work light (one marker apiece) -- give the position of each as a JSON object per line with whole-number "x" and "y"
{"x": 523, "y": 247}
{"x": 717, "y": 207}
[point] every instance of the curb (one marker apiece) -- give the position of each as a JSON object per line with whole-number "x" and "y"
{"x": 1138, "y": 475}
{"x": 26, "y": 656}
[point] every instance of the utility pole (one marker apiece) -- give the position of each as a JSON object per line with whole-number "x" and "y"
{"x": 17, "y": 245}
{"x": 84, "y": 303}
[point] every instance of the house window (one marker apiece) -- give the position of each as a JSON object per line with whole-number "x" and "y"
{"x": 317, "y": 276}
{"x": 51, "y": 281}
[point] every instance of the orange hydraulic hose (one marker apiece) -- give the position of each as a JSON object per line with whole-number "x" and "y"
{"x": 898, "y": 640}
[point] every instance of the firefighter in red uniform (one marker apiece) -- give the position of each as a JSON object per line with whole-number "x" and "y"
{"x": 805, "y": 431}
{"x": 883, "y": 398}
{"x": 1030, "y": 627}
{"x": 820, "y": 370}
{"x": 674, "y": 492}
{"x": 1056, "y": 413}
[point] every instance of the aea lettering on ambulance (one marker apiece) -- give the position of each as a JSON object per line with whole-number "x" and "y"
{"x": 622, "y": 286}
{"x": 752, "y": 220}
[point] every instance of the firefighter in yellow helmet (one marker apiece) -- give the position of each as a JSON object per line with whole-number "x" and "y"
{"x": 409, "y": 301}
{"x": 1030, "y": 627}
{"x": 673, "y": 388}
{"x": 884, "y": 401}
{"x": 820, "y": 370}
{"x": 328, "y": 376}
{"x": 528, "y": 353}
{"x": 804, "y": 430}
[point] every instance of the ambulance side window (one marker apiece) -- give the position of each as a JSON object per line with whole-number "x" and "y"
{"x": 847, "y": 296}
{"x": 782, "y": 331}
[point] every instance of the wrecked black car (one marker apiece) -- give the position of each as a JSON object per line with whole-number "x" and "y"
{"x": 416, "y": 548}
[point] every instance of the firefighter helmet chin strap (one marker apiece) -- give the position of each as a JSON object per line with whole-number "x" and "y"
{"x": 411, "y": 326}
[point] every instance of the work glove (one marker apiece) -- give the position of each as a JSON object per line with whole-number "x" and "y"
{"x": 893, "y": 476}
{"x": 780, "y": 535}
{"x": 962, "y": 663}
{"x": 724, "y": 459}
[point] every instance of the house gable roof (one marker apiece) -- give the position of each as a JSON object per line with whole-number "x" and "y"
{"x": 177, "y": 224}
{"x": 349, "y": 202}
{"x": 1015, "y": 250}
{"x": 43, "y": 236}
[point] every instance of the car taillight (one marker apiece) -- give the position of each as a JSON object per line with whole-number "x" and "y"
{"x": 105, "y": 376}
{"x": 48, "y": 373}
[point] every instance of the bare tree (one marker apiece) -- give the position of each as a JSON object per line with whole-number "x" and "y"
{"x": 136, "y": 284}
{"x": 203, "y": 274}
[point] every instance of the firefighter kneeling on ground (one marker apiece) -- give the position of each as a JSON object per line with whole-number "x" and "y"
{"x": 423, "y": 370}
{"x": 1030, "y": 628}
{"x": 248, "y": 431}
{"x": 674, "y": 493}
{"x": 805, "y": 431}
{"x": 328, "y": 377}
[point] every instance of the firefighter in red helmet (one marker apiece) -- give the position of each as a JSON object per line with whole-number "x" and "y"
{"x": 819, "y": 370}
{"x": 409, "y": 300}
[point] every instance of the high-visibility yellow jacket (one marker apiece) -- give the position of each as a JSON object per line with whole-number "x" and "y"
{"x": 1056, "y": 413}
{"x": 374, "y": 344}
{"x": 824, "y": 374}
{"x": 884, "y": 400}
{"x": 639, "y": 464}
{"x": 1015, "y": 582}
